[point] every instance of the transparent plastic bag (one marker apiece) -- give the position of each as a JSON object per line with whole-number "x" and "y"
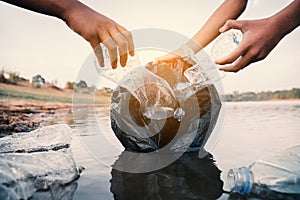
{"x": 171, "y": 103}
{"x": 36, "y": 161}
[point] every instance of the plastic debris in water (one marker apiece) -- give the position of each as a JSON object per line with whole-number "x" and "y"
{"x": 270, "y": 176}
{"x": 37, "y": 160}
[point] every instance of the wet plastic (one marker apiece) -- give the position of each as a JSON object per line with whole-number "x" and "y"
{"x": 34, "y": 161}
{"x": 278, "y": 172}
{"x": 154, "y": 103}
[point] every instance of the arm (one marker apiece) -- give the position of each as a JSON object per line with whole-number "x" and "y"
{"x": 229, "y": 9}
{"x": 91, "y": 25}
{"x": 260, "y": 36}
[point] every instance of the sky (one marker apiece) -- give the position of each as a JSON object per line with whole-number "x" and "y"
{"x": 33, "y": 43}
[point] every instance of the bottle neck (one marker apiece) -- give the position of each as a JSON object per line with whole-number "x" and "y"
{"x": 240, "y": 180}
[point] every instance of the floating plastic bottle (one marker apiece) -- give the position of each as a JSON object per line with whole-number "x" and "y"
{"x": 279, "y": 173}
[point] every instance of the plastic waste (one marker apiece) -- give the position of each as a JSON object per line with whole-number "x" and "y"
{"x": 226, "y": 43}
{"x": 43, "y": 139}
{"x": 278, "y": 172}
{"x": 170, "y": 103}
{"x": 61, "y": 192}
{"x": 38, "y": 160}
{"x": 115, "y": 75}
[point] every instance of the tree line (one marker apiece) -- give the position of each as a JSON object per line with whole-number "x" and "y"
{"x": 10, "y": 77}
{"x": 263, "y": 96}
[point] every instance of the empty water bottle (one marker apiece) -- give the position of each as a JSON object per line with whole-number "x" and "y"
{"x": 224, "y": 45}
{"x": 279, "y": 173}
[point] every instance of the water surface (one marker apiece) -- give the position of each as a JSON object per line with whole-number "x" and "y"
{"x": 250, "y": 130}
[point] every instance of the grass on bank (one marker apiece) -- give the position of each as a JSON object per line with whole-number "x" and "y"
{"x": 8, "y": 91}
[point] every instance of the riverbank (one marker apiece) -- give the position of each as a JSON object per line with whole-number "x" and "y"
{"x": 19, "y": 115}
{"x": 24, "y": 108}
{"x": 48, "y": 93}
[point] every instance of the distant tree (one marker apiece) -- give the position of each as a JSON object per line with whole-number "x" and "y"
{"x": 10, "y": 77}
{"x": 296, "y": 92}
{"x": 69, "y": 85}
{"x": 37, "y": 81}
{"x": 251, "y": 96}
{"x": 13, "y": 77}
{"x": 2, "y": 76}
{"x": 81, "y": 84}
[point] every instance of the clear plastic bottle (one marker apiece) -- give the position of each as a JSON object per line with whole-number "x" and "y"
{"x": 278, "y": 172}
{"x": 223, "y": 46}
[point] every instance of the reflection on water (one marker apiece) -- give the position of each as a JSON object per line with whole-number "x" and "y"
{"x": 251, "y": 130}
{"x": 264, "y": 193}
{"x": 56, "y": 192}
{"x": 187, "y": 178}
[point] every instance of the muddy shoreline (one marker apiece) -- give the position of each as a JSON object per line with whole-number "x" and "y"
{"x": 24, "y": 116}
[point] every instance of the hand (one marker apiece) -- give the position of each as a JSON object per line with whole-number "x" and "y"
{"x": 169, "y": 56}
{"x": 259, "y": 38}
{"x": 97, "y": 28}
{"x": 185, "y": 52}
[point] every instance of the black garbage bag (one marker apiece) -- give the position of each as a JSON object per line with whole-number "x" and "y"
{"x": 162, "y": 106}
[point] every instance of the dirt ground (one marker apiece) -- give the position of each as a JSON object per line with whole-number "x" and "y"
{"x": 17, "y": 115}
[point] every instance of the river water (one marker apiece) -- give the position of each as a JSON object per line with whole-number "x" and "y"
{"x": 248, "y": 130}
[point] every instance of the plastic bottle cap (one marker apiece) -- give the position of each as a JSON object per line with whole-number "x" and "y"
{"x": 239, "y": 180}
{"x": 178, "y": 114}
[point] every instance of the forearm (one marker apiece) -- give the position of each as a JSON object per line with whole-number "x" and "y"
{"x": 56, "y": 8}
{"x": 230, "y": 9}
{"x": 287, "y": 19}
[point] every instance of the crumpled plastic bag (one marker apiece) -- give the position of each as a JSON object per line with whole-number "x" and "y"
{"x": 38, "y": 160}
{"x": 170, "y": 104}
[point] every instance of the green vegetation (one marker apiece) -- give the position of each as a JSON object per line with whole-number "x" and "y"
{"x": 10, "y": 77}
{"x": 70, "y": 85}
{"x": 264, "y": 96}
{"x": 13, "y": 86}
{"x": 8, "y": 91}
{"x": 18, "y": 94}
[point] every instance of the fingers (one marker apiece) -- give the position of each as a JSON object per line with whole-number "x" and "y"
{"x": 239, "y": 58}
{"x": 123, "y": 47}
{"x": 112, "y": 48}
{"x": 118, "y": 42}
{"x": 128, "y": 36}
{"x": 231, "y": 24}
{"x": 98, "y": 52}
{"x": 233, "y": 56}
{"x": 241, "y": 63}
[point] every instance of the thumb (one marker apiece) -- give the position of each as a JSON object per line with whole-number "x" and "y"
{"x": 231, "y": 24}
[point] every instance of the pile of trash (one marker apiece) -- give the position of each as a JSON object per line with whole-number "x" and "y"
{"x": 172, "y": 104}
